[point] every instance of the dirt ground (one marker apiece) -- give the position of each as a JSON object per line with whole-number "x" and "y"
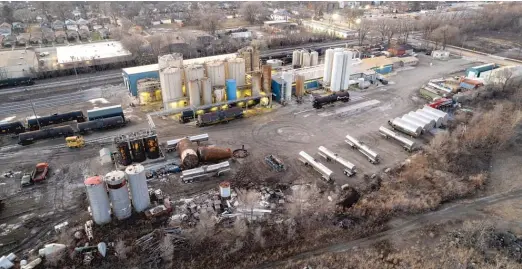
{"x": 283, "y": 131}
{"x": 504, "y": 44}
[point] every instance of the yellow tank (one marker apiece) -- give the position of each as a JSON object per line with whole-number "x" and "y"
{"x": 157, "y": 93}
{"x": 145, "y": 98}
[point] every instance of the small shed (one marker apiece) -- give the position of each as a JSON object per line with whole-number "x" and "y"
{"x": 440, "y": 54}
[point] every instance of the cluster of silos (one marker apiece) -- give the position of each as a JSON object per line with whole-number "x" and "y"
{"x": 421, "y": 120}
{"x": 303, "y": 58}
{"x": 338, "y": 68}
{"x": 171, "y": 75}
{"x": 137, "y": 149}
{"x": 118, "y": 200}
{"x": 251, "y": 56}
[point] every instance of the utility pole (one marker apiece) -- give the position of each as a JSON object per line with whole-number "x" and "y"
{"x": 34, "y": 111}
{"x": 75, "y": 72}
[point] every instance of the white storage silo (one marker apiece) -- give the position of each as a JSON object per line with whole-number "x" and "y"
{"x": 328, "y": 63}
{"x": 171, "y": 87}
{"x": 347, "y": 70}
{"x": 138, "y": 187}
{"x": 193, "y": 91}
{"x": 216, "y": 73}
{"x": 256, "y": 83}
{"x": 236, "y": 70}
{"x": 206, "y": 91}
{"x": 296, "y": 58}
{"x": 219, "y": 94}
{"x": 305, "y": 58}
{"x": 98, "y": 200}
{"x": 337, "y": 71}
{"x": 119, "y": 194}
{"x": 314, "y": 58}
{"x": 274, "y": 63}
{"x": 194, "y": 72}
{"x": 288, "y": 78}
{"x": 170, "y": 60}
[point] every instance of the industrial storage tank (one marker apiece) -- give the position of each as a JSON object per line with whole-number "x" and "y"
{"x": 314, "y": 58}
{"x": 193, "y": 91}
{"x": 429, "y": 122}
{"x": 296, "y": 58}
{"x": 305, "y": 58}
{"x": 224, "y": 189}
{"x": 124, "y": 151}
{"x": 189, "y": 157}
{"x": 147, "y": 88}
{"x": 256, "y": 83}
{"x": 138, "y": 150}
{"x": 412, "y": 122}
{"x": 138, "y": 187}
{"x": 219, "y": 94}
{"x": 206, "y": 91}
{"x": 288, "y": 78}
{"x": 170, "y": 60}
{"x": 347, "y": 70}
{"x": 236, "y": 70}
{"x": 437, "y": 112}
{"x": 425, "y": 125}
{"x": 194, "y": 72}
{"x": 151, "y": 147}
{"x": 231, "y": 89}
{"x": 267, "y": 79}
{"x": 299, "y": 85}
{"x": 337, "y": 71}
{"x": 437, "y": 119}
{"x": 405, "y": 127}
{"x": 214, "y": 154}
{"x": 216, "y": 73}
{"x": 328, "y": 63}
{"x": 119, "y": 194}
{"x": 98, "y": 200}
{"x": 171, "y": 86}
{"x": 274, "y": 63}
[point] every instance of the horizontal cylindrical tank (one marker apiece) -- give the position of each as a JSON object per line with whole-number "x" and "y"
{"x": 193, "y": 90}
{"x": 216, "y": 73}
{"x": 124, "y": 152}
{"x": 206, "y": 91}
{"x": 405, "y": 127}
{"x": 256, "y": 83}
{"x": 319, "y": 167}
{"x": 224, "y": 189}
{"x": 438, "y": 113}
{"x": 119, "y": 194}
{"x": 151, "y": 147}
{"x": 329, "y": 155}
{"x": 429, "y": 122}
{"x": 437, "y": 119}
{"x": 412, "y": 122}
{"x": 219, "y": 94}
{"x": 189, "y": 157}
{"x": 138, "y": 187}
{"x": 416, "y": 121}
{"x": 98, "y": 200}
{"x": 407, "y": 144}
{"x": 231, "y": 89}
{"x": 214, "y": 154}
{"x": 138, "y": 150}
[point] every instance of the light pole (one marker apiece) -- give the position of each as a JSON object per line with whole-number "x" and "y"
{"x": 34, "y": 111}
{"x": 75, "y": 72}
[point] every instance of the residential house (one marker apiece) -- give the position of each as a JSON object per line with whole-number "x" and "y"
{"x": 82, "y": 22}
{"x": 76, "y": 13}
{"x": 22, "y": 39}
{"x": 36, "y": 38}
{"x": 72, "y": 35}
{"x": 83, "y": 27}
{"x": 60, "y": 36}
{"x": 48, "y": 36}
{"x": 84, "y": 34}
{"x": 58, "y": 25}
{"x": 93, "y": 21}
{"x": 9, "y": 41}
{"x": 281, "y": 15}
{"x": 19, "y": 27}
{"x": 5, "y": 29}
{"x": 70, "y": 22}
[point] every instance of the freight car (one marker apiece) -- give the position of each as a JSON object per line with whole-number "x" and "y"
{"x": 320, "y": 101}
{"x": 219, "y": 116}
{"x": 101, "y": 124}
{"x": 29, "y": 137}
{"x": 105, "y": 112}
{"x": 12, "y": 128}
{"x": 32, "y": 123}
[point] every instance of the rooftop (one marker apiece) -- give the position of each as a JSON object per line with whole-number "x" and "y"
{"x": 102, "y": 50}
{"x": 17, "y": 63}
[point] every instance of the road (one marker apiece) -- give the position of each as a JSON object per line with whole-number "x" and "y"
{"x": 451, "y": 212}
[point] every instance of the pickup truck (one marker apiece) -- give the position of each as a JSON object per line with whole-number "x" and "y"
{"x": 39, "y": 174}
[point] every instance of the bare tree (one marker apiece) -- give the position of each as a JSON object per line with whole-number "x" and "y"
{"x": 427, "y": 25}
{"x": 62, "y": 9}
{"x": 363, "y": 28}
{"x": 404, "y": 28}
{"x": 24, "y": 15}
{"x": 251, "y": 11}
{"x": 445, "y": 34}
{"x": 210, "y": 22}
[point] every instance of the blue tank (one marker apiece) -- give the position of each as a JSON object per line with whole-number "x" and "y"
{"x": 231, "y": 89}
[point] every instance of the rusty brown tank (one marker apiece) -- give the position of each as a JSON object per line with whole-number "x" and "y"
{"x": 214, "y": 154}
{"x": 187, "y": 153}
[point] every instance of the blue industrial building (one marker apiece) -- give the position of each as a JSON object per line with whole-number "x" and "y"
{"x": 277, "y": 85}
{"x": 131, "y": 76}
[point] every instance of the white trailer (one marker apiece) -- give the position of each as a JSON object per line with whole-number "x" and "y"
{"x": 402, "y": 126}
{"x": 437, "y": 119}
{"x": 349, "y": 168}
{"x": 319, "y": 167}
{"x": 407, "y": 144}
{"x": 429, "y": 122}
{"x": 372, "y": 156}
{"x": 189, "y": 176}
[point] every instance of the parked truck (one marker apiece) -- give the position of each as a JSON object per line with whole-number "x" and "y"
{"x": 39, "y": 174}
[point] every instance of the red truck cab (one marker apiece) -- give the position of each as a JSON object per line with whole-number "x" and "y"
{"x": 40, "y": 172}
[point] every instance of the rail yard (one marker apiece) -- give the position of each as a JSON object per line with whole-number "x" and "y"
{"x": 149, "y": 169}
